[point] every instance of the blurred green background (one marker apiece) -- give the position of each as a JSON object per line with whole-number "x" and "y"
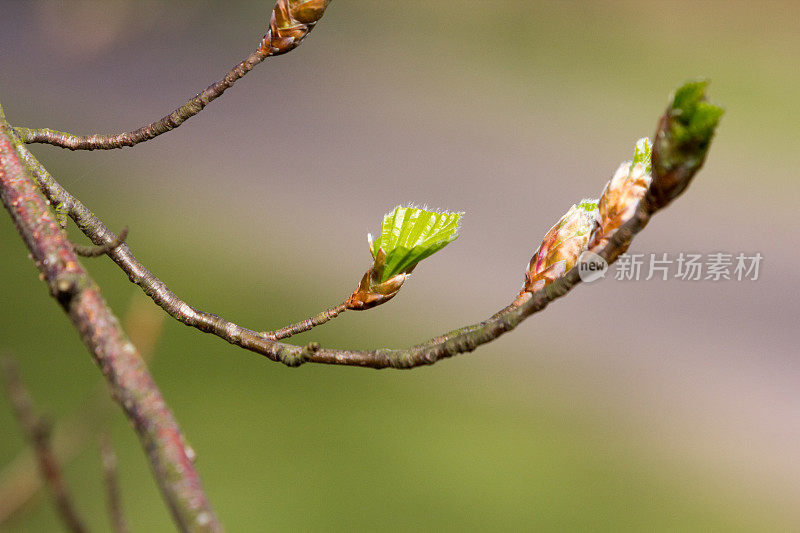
{"x": 627, "y": 406}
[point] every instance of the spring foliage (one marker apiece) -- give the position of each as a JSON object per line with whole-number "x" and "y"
{"x": 409, "y": 235}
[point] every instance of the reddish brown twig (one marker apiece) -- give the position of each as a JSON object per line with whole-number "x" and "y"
{"x": 130, "y": 383}
{"x": 290, "y": 22}
{"x": 37, "y": 432}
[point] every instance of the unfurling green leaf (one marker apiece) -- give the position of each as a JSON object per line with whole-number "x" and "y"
{"x": 682, "y": 141}
{"x": 687, "y": 95}
{"x": 694, "y": 119}
{"x": 409, "y": 235}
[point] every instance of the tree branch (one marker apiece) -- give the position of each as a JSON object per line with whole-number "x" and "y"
{"x": 682, "y": 140}
{"x": 130, "y": 383}
{"x": 447, "y": 345}
{"x": 289, "y": 24}
{"x": 37, "y": 432}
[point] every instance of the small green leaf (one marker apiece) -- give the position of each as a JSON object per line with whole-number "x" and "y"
{"x": 693, "y": 118}
{"x": 688, "y": 95}
{"x": 409, "y": 235}
{"x": 682, "y": 140}
{"x": 643, "y": 153}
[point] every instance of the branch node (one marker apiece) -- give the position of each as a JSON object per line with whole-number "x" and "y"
{"x": 295, "y": 358}
{"x": 103, "y": 249}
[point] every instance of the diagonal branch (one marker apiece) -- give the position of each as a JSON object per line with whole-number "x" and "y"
{"x": 37, "y": 432}
{"x": 130, "y": 383}
{"x": 289, "y": 24}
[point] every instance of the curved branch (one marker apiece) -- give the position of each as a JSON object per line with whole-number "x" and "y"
{"x": 145, "y": 133}
{"x": 468, "y": 338}
{"x": 452, "y": 343}
{"x": 678, "y": 154}
{"x": 127, "y": 376}
{"x": 289, "y": 24}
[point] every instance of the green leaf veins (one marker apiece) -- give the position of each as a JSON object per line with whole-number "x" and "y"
{"x": 409, "y": 235}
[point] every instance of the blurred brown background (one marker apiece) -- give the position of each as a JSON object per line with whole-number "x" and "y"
{"x": 628, "y": 405}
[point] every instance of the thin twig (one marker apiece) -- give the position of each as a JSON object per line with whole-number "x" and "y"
{"x": 111, "y": 481}
{"x": 305, "y": 325}
{"x": 97, "y": 251}
{"x": 128, "y": 378}
{"x": 289, "y": 24}
{"x": 37, "y": 432}
{"x": 145, "y": 133}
